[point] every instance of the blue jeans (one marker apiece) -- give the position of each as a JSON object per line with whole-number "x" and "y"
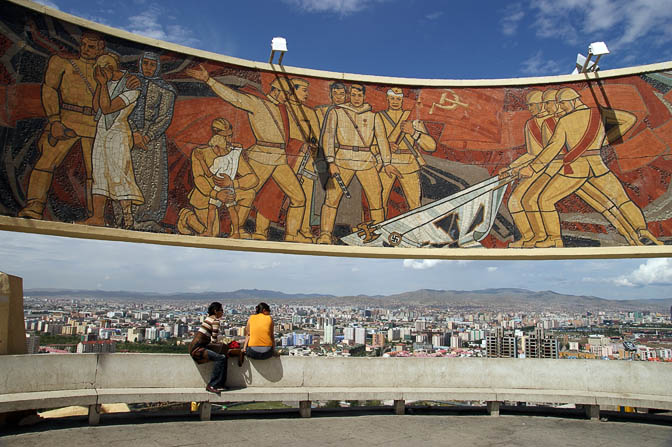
{"x": 218, "y": 378}
{"x": 259, "y": 352}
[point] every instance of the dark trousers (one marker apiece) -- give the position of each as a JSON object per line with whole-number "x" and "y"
{"x": 262, "y": 353}
{"x": 218, "y": 378}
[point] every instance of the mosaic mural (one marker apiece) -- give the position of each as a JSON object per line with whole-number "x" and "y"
{"x": 100, "y": 131}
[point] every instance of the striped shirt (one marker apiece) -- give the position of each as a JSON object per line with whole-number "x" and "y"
{"x": 210, "y": 327}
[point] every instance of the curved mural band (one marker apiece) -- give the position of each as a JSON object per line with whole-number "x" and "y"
{"x": 105, "y": 132}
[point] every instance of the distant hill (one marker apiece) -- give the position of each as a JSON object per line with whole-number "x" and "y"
{"x": 242, "y": 294}
{"x": 492, "y": 299}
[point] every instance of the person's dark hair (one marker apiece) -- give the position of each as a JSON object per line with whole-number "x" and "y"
{"x": 214, "y": 308}
{"x": 360, "y": 87}
{"x": 335, "y": 86}
{"x": 262, "y": 307}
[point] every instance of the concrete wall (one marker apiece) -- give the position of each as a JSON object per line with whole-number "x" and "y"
{"x": 468, "y": 132}
{"x": 29, "y": 373}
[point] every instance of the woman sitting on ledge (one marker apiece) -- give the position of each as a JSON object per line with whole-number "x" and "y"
{"x": 204, "y": 348}
{"x": 259, "y": 334}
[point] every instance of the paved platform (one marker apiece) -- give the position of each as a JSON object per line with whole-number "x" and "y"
{"x": 374, "y": 430}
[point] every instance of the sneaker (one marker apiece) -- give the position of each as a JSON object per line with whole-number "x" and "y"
{"x": 212, "y": 390}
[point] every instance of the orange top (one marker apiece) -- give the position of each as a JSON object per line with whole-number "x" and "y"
{"x": 260, "y": 330}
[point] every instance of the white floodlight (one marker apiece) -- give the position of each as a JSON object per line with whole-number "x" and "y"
{"x": 598, "y": 49}
{"x": 580, "y": 61}
{"x": 278, "y": 44}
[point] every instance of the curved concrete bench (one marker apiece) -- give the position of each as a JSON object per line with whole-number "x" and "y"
{"x": 49, "y": 381}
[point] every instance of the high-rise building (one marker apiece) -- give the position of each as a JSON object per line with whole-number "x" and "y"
{"x": 328, "y": 334}
{"x": 378, "y": 340}
{"x": 501, "y": 344}
{"x": 96, "y": 346}
{"x": 32, "y": 344}
{"x": 394, "y": 334}
{"x": 541, "y": 346}
{"x": 360, "y": 336}
{"x": 349, "y": 334}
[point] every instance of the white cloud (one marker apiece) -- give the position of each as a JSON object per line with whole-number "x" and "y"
{"x": 341, "y": 7}
{"x": 421, "y": 264}
{"x": 434, "y": 15}
{"x": 623, "y": 22}
{"x": 48, "y": 4}
{"x": 537, "y": 65}
{"x": 655, "y": 272}
{"x": 148, "y": 23}
{"x": 513, "y": 14}
{"x": 492, "y": 269}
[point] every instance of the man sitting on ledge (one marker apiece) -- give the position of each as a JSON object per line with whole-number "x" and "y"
{"x": 204, "y": 348}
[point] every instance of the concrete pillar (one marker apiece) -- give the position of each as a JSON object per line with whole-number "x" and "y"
{"x": 493, "y": 408}
{"x": 592, "y": 412}
{"x": 304, "y": 408}
{"x": 94, "y": 414}
{"x": 399, "y": 407}
{"x": 205, "y": 410}
{"x": 12, "y": 324}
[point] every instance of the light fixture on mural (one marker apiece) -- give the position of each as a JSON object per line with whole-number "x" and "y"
{"x": 278, "y": 44}
{"x": 584, "y": 64}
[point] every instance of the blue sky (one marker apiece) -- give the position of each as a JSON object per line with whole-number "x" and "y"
{"x": 408, "y": 38}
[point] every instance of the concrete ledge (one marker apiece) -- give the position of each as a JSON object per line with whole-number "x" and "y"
{"x": 96, "y": 379}
{"x": 354, "y": 393}
{"x": 46, "y": 399}
{"x": 458, "y": 394}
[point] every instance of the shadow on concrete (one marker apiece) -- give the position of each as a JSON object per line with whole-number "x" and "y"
{"x": 270, "y": 369}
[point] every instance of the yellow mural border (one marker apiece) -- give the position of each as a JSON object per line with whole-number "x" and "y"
{"x": 337, "y": 75}
{"x": 113, "y": 234}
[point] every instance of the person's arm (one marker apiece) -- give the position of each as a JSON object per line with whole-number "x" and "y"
{"x": 50, "y": 87}
{"x": 237, "y": 99}
{"x": 164, "y": 117}
{"x": 108, "y": 105}
{"x": 246, "y": 178}
{"x": 425, "y": 141}
{"x": 215, "y": 329}
{"x": 201, "y": 176}
{"x": 247, "y": 335}
{"x": 272, "y": 329}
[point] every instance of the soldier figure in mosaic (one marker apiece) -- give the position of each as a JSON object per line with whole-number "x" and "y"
{"x": 304, "y": 129}
{"x": 347, "y": 136}
{"x": 269, "y": 121}
{"x": 406, "y": 138}
{"x": 211, "y": 190}
{"x": 67, "y": 99}
{"x": 576, "y": 141}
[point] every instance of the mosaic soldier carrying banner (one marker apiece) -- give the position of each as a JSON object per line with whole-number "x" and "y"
{"x": 577, "y": 140}
{"x": 533, "y": 186}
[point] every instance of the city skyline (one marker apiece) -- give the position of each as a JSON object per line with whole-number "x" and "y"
{"x": 59, "y": 262}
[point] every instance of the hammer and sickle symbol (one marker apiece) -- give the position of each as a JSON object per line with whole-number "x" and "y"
{"x": 367, "y": 231}
{"x": 453, "y": 103}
